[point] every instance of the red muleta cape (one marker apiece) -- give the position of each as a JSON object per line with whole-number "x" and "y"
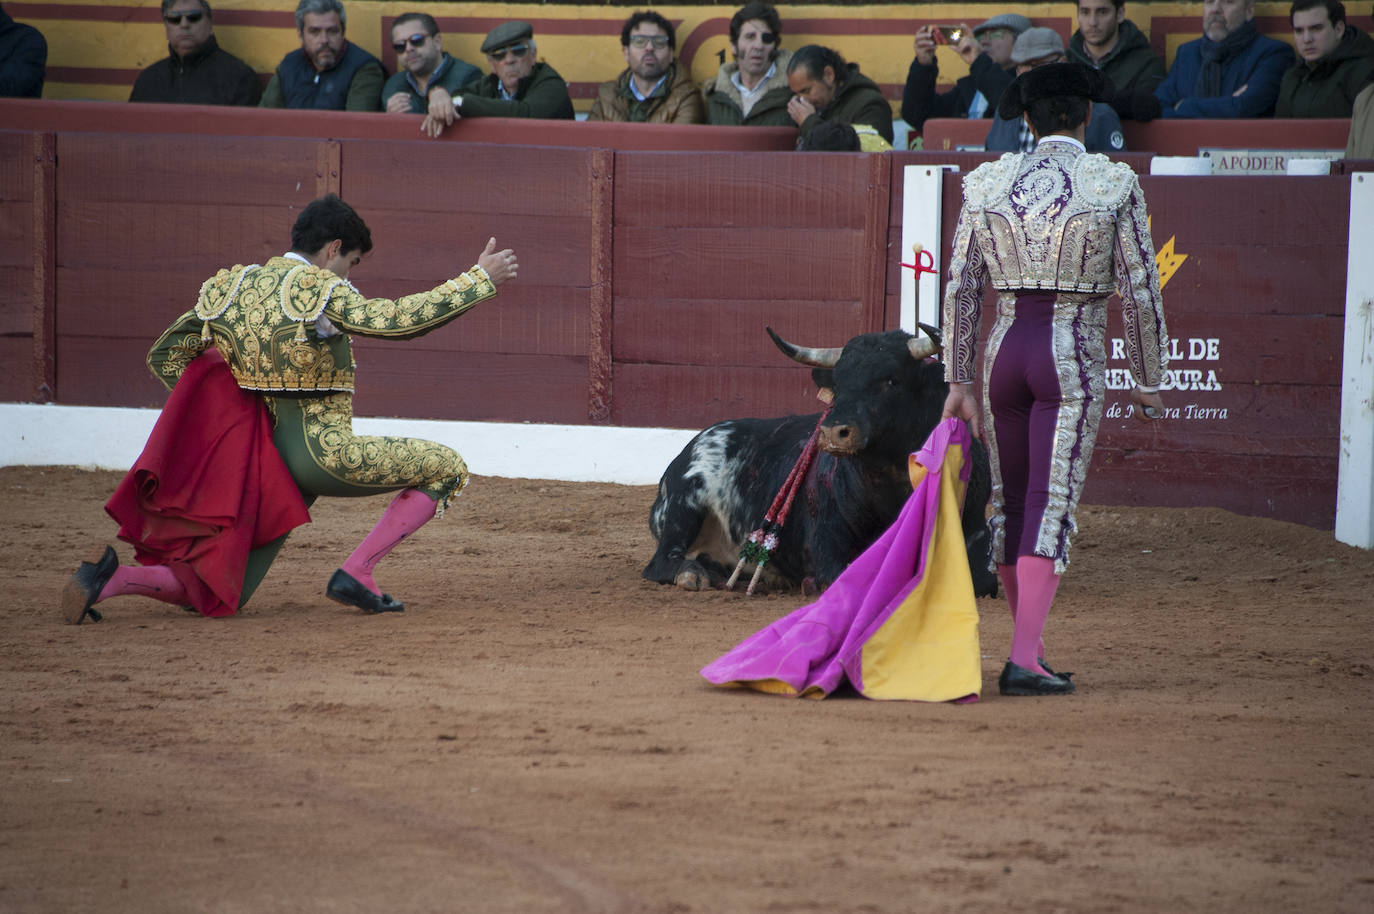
{"x": 209, "y": 487}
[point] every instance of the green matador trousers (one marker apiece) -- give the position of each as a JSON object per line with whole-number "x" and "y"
{"x": 314, "y": 436}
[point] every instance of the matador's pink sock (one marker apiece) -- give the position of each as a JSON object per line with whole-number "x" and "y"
{"x": 1007, "y": 575}
{"x": 156, "y": 581}
{"x": 1036, "y": 584}
{"x": 408, "y": 512}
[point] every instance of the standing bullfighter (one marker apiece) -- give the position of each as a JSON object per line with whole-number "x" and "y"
{"x": 260, "y": 423}
{"x": 1057, "y": 230}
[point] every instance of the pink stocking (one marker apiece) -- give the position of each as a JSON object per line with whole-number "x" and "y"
{"x": 408, "y": 512}
{"x": 1036, "y": 585}
{"x": 156, "y": 581}
{"x": 1007, "y": 575}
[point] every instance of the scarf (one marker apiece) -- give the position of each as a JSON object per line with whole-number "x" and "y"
{"x": 1217, "y": 54}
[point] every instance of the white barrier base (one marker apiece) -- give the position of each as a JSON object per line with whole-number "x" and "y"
{"x": 112, "y": 439}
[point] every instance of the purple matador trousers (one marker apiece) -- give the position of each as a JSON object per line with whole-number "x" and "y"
{"x": 1043, "y": 389}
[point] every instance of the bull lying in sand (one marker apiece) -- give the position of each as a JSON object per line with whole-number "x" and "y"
{"x": 887, "y": 396}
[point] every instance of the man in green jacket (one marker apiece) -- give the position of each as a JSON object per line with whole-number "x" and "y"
{"x": 1335, "y": 61}
{"x": 752, "y": 90}
{"x": 518, "y": 85}
{"x": 1106, "y": 40}
{"x": 653, "y": 88}
{"x": 429, "y": 77}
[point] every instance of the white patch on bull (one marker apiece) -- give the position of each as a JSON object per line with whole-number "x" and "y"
{"x": 718, "y": 496}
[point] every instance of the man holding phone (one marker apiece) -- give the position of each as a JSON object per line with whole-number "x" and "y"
{"x": 986, "y": 48}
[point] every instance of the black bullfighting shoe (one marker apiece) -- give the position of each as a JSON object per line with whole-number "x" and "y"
{"x": 1017, "y": 680}
{"x": 84, "y": 587}
{"x": 346, "y": 589}
{"x": 1046, "y": 667}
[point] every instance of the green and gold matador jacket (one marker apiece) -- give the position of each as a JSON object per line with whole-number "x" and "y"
{"x": 283, "y": 327}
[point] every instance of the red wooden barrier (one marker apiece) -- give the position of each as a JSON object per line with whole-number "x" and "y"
{"x": 647, "y": 278}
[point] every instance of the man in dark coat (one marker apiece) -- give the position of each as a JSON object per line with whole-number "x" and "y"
{"x": 197, "y": 71}
{"x": 1038, "y": 47}
{"x": 987, "y": 51}
{"x": 826, "y": 88}
{"x": 519, "y": 85}
{"x": 23, "y": 59}
{"x": 1107, "y": 41}
{"x": 1336, "y": 60}
{"x": 1231, "y": 71}
{"x": 327, "y": 72}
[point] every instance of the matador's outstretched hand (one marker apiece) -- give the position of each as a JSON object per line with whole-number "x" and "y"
{"x": 500, "y": 265}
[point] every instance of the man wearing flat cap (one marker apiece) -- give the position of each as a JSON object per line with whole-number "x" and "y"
{"x": 986, "y": 48}
{"x": 518, "y": 85}
{"x": 1037, "y": 47}
{"x": 1056, "y": 231}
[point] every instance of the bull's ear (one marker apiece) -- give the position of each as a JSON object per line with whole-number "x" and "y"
{"x": 824, "y": 377}
{"x": 826, "y": 395}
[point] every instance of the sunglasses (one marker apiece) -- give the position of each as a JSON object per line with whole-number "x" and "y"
{"x": 516, "y": 50}
{"x": 643, "y": 41}
{"x": 415, "y": 41}
{"x": 184, "y": 18}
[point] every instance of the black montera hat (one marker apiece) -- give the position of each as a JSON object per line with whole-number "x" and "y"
{"x": 1053, "y": 80}
{"x": 506, "y": 33}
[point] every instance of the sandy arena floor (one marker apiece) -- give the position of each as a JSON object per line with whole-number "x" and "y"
{"x": 531, "y": 735}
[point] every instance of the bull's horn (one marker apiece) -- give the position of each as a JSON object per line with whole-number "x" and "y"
{"x": 924, "y": 348}
{"x": 816, "y": 358}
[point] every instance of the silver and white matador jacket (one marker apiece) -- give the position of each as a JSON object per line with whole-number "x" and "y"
{"x": 1060, "y": 219}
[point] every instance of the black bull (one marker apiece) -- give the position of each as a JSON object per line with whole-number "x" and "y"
{"x": 887, "y": 397}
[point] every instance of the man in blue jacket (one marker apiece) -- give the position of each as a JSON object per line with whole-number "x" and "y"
{"x": 1231, "y": 71}
{"x": 327, "y": 71}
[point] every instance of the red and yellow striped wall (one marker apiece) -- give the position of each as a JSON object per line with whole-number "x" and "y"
{"x": 97, "y": 47}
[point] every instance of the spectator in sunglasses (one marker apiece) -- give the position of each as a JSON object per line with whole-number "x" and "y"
{"x": 197, "y": 71}
{"x": 752, "y": 89}
{"x": 518, "y": 85}
{"x": 328, "y": 71}
{"x": 428, "y": 77}
{"x": 653, "y": 88}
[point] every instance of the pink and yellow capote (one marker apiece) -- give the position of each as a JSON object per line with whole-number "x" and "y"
{"x": 901, "y": 622}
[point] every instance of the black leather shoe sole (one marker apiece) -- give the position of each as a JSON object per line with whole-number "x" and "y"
{"x": 1017, "y": 680}
{"x": 344, "y": 588}
{"x": 84, "y": 587}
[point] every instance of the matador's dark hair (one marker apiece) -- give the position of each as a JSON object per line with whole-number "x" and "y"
{"x": 1055, "y": 96}
{"x": 328, "y": 218}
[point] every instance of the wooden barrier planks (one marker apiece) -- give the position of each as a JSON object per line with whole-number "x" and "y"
{"x": 27, "y": 186}
{"x": 711, "y": 248}
{"x": 142, "y": 220}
